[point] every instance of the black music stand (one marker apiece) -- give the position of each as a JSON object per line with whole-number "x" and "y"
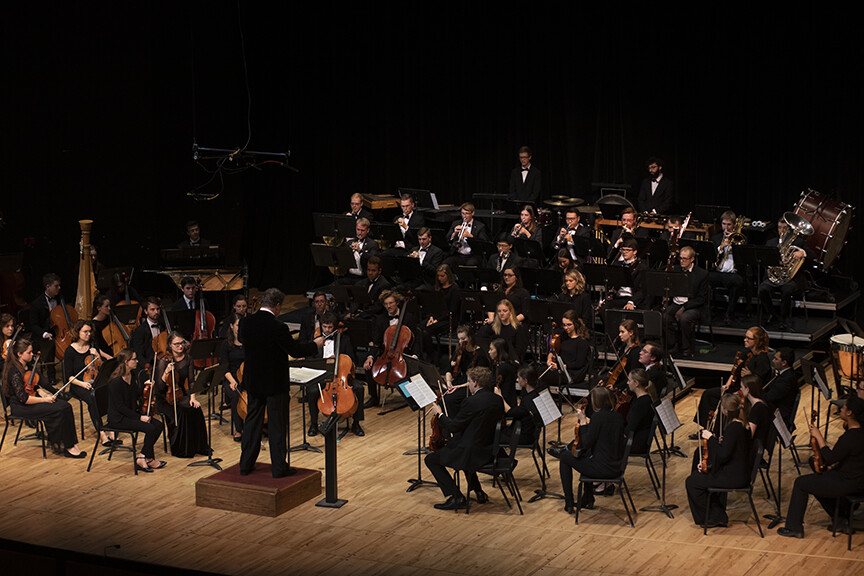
{"x": 482, "y": 248}
{"x": 785, "y": 438}
{"x": 706, "y": 253}
{"x": 606, "y": 275}
{"x": 341, "y": 257}
{"x": 359, "y": 295}
{"x": 657, "y": 253}
{"x": 427, "y": 371}
{"x": 402, "y": 268}
{"x": 337, "y": 225}
{"x": 182, "y": 321}
{"x": 755, "y": 257}
{"x": 667, "y": 424}
{"x": 387, "y": 232}
{"x": 315, "y": 364}
{"x": 588, "y": 248}
{"x": 528, "y": 249}
{"x": 708, "y": 212}
{"x": 432, "y": 304}
{"x": 540, "y": 280}
{"x": 472, "y": 305}
{"x": 206, "y": 382}
{"x": 475, "y": 276}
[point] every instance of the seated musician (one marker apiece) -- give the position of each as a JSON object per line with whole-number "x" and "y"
{"x": 313, "y": 392}
{"x": 409, "y": 221}
{"x": 788, "y": 288}
{"x": 631, "y": 297}
{"x": 445, "y": 285}
{"x": 239, "y": 306}
{"x": 506, "y": 325}
{"x": 753, "y": 359}
{"x": 189, "y": 287}
{"x": 684, "y": 312}
{"x": 574, "y": 352}
{"x": 528, "y": 227}
{"x": 629, "y": 229}
{"x": 472, "y": 433}
{"x": 651, "y": 358}
{"x": 54, "y": 412}
{"x": 563, "y": 262}
{"x": 359, "y": 211}
{"x": 310, "y": 323}
{"x": 101, "y": 319}
{"x": 392, "y": 303}
{"x": 188, "y": 431}
{"x": 673, "y": 225}
{"x": 123, "y": 411}
{"x": 362, "y": 247}
{"x": 467, "y": 355}
{"x": 120, "y": 289}
{"x": 730, "y": 463}
{"x": 430, "y": 256}
{"x": 725, "y": 274}
{"x": 781, "y": 391}
{"x": 232, "y": 354}
{"x": 77, "y": 356}
{"x": 640, "y": 415}
{"x": 503, "y": 369}
{"x": 375, "y": 284}
{"x": 526, "y": 412}
{"x": 511, "y": 289}
{"x": 40, "y": 326}
{"x": 505, "y": 256}
{"x": 7, "y": 331}
{"x": 193, "y": 236}
{"x": 628, "y": 356}
{"x": 602, "y": 443}
{"x": 844, "y": 474}
{"x": 657, "y": 193}
{"x": 573, "y": 293}
{"x": 573, "y": 229}
{"x": 458, "y": 235}
{"x": 760, "y": 417}
{"x": 150, "y": 328}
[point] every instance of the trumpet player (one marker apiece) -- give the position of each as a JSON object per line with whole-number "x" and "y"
{"x": 358, "y": 210}
{"x": 459, "y": 233}
{"x": 725, "y": 274}
{"x": 362, "y": 247}
{"x": 788, "y": 288}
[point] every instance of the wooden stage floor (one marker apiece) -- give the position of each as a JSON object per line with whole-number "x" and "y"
{"x": 152, "y": 518}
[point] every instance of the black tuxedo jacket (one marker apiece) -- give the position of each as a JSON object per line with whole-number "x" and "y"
{"x": 473, "y": 430}
{"x": 364, "y": 213}
{"x": 701, "y": 290}
{"x": 268, "y": 343}
{"x": 662, "y": 199}
{"x": 478, "y": 230}
{"x": 415, "y": 222}
{"x": 381, "y": 284}
{"x": 142, "y": 342}
{"x": 307, "y": 325}
{"x": 781, "y": 393}
{"x": 512, "y": 260}
{"x": 527, "y": 191}
{"x": 40, "y": 317}
{"x": 202, "y": 243}
{"x": 433, "y": 259}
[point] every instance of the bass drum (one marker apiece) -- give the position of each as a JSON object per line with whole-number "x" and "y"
{"x": 830, "y": 220}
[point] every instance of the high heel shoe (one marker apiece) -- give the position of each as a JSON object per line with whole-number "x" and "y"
{"x": 78, "y": 456}
{"x": 141, "y": 468}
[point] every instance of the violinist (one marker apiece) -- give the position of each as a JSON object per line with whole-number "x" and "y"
{"x": 79, "y": 354}
{"x": 150, "y": 328}
{"x": 232, "y": 354}
{"x": 526, "y": 413}
{"x": 472, "y": 433}
{"x": 628, "y": 355}
{"x": 40, "y": 323}
{"x": 101, "y": 319}
{"x": 844, "y": 474}
{"x": 602, "y": 447}
{"x": 641, "y": 412}
{"x": 725, "y": 274}
{"x": 506, "y": 325}
{"x": 503, "y": 369}
{"x": 445, "y": 285}
{"x": 460, "y": 232}
{"x": 239, "y": 307}
{"x": 467, "y": 355}
{"x": 630, "y": 297}
{"x": 573, "y": 293}
{"x": 759, "y": 416}
{"x": 123, "y": 411}
{"x": 753, "y": 359}
{"x": 392, "y": 302}
{"x": 574, "y": 350}
{"x": 328, "y": 331}
{"x": 188, "y": 431}
{"x": 730, "y": 464}
{"x": 511, "y": 289}
{"x": 527, "y": 227}
{"x": 54, "y": 412}
{"x": 189, "y": 288}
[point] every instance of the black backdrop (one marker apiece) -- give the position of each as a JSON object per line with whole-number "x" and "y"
{"x": 101, "y": 106}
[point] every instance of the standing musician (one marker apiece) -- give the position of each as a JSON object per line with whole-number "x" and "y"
{"x": 573, "y": 293}
{"x": 188, "y": 431}
{"x": 392, "y": 303}
{"x": 628, "y": 352}
{"x": 631, "y": 297}
{"x": 725, "y": 273}
{"x": 430, "y": 257}
{"x": 787, "y": 289}
{"x": 572, "y": 230}
{"x": 503, "y": 369}
{"x": 150, "y": 328}
{"x": 358, "y": 210}
{"x": 362, "y": 247}
{"x": 310, "y": 323}
{"x": 730, "y": 464}
{"x": 54, "y": 412}
{"x": 574, "y": 350}
{"x": 467, "y": 355}
{"x": 505, "y": 256}
{"x": 313, "y": 392}
{"x": 460, "y": 232}
{"x": 472, "y": 432}
{"x": 629, "y": 229}
{"x": 844, "y": 474}
{"x": 40, "y": 322}
{"x": 239, "y": 306}
{"x": 526, "y": 180}
{"x": 268, "y": 342}
{"x": 651, "y": 358}
{"x": 507, "y": 326}
{"x": 753, "y": 359}
{"x": 408, "y": 222}
{"x": 188, "y": 286}
{"x": 375, "y": 283}
{"x": 526, "y": 413}
{"x": 657, "y": 193}
{"x": 232, "y": 354}
{"x": 527, "y": 227}
{"x": 684, "y": 312}
{"x": 640, "y": 415}
{"x": 78, "y": 355}
{"x": 511, "y": 289}
{"x": 123, "y": 411}
{"x": 781, "y": 391}
{"x": 601, "y": 440}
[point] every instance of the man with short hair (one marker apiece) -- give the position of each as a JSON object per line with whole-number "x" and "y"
{"x": 358, "y": 210}
{"x": 685, "y": 312}
{"x": 780, "y": 392}
{"x": 526, "y": 180}
{"x": 193, "y": 237}
{"x": 40, "y": 322}
{"x": 657, "y": 193}
{"x": 725, "y": 273}
{"x": 458, "y": 235}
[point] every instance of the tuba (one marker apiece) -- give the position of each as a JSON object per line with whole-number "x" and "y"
{"x": 789, "y": 266}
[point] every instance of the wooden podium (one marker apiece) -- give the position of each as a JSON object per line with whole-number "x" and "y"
{"x": 257, "y": 493}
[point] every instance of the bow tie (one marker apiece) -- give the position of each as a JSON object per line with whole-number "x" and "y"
{"x": 524, "y": 169}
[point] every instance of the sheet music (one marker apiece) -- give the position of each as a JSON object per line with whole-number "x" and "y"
{"x": 419, "y": 390}
{"x": 668, "y": 417}
{"x": 303, "y": 375}
{"x": 547, "y": 408}
{"x": 782, "y": 430}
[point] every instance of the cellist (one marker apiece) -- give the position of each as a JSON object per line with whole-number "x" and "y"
{"x": 328, "y": 331}
{"x": 392, "y": 302}
{"x": 80, "y": 366}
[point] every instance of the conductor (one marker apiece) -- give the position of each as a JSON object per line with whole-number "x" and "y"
{"x": 268, "y": 343}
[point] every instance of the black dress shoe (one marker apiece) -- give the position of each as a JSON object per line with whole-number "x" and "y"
{"x": 357, "y": 430}
{"x": 569, "y": 508}
{"x": 789, "y": 533}
{"x": 694, "y": 436}
{"x": 370, "y": 403}
{"x": 246, "y": 472}
{"x": 587, "y": 504}
{"x": 313, "y": 430}
{"x": 481, "y": 497}
{"x": 78, "y": 456}
{"x": 556, "y": 451}
{"x": 289, "y": 472}
{"x": 452, "y": 503}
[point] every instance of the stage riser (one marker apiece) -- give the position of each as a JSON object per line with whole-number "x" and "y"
{"x": 241, "y": 494}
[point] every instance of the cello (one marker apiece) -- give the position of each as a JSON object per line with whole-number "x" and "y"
{"x": 62, "y": 318}
{"x": 390, "y": 367}
{"x": 116, "y": 335}
{"x": 337, "y": 396}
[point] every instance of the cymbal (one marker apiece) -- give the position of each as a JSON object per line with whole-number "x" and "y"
{"x": 559, "y": 197}
{"x": 564, "y": 203}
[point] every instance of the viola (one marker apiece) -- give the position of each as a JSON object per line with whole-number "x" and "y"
{"x": 576, "y": 444}
{"x": 390, "y": 367}
{"x": 734, "y": 384}
{"x": 457, "y": 362}
{"x": 703, "y": 447}
{"x": 62, "y": 318}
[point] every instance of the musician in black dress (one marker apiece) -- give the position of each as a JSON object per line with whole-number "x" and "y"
{"x": 573, "y": 293}
{"x": 505, "y": 325}
{"x": 80, "y": 354}
{"x": 503, "y": 369}
{"x": 844, "y": 474}
{"x": 123, "y": 411}
{"x": 640, "y": 415}
{"x": 232, "y": 354}
{"x": 628, "y": 353}
{"x": 101, "y": 319}
{"x": 188, "y": 432}
{"x": 466, "y": 355}
{"x": 574, "y": 352}
{"x": 602, "y": 447}
{"x": 730, "y": 460}
{"x": 55, "y": 412}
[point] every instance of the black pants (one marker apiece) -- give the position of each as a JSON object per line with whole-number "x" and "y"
{"x": 585, "y": 466}
{"x": 151, "y": 430}
{"x": 731, "y": 281}
{"x": 697, "y": 485}
{"x": 445, "y": 480}
{"x": 787, "y": 292}
{"x": 89, "y": 398}
{"x": 277, "y": 407}
{"x": 686, "y": 325}
{"x": 826, "y": 487}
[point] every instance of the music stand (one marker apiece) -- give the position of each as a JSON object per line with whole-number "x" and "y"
{"x": 540, "y": 280}
{"x": 588, "y": 248}
{"x": 432, "y": 303}
{"x": 472, "y": 305}
{"x": 667, "y": 424}
{"x": 339, "y": 257}
{"x": 705, "y": 251}
{"x": 482, "y": 247}
{"x": 607, "y": 275}
{"x": 549, "y": 413}
{"x": 314, "y": 364}
{"x": 418, "y": 395}
{"x": 181, "y": 320}
{"x": 336, "y": 225}
{"x": 785, "y": 438}
{"x": 205, "y": 382}
{"x": 473, "y": 275}
{"x": 528, "y": 249}
{"x": 387, "y": 232}
{"x": 127, "y": 314}
{"x": 708, "y": 212}
{"x": 401, "y": 267}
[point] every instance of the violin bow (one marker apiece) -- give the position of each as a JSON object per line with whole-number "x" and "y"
{"x": 71, "y": 378}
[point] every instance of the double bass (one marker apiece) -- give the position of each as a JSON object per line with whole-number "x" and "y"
{"x": 205, "y": 325}
{"x": 389, "y": 368}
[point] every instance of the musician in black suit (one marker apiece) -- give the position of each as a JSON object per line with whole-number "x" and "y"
{"x": 572, "y": 229}
{"x": 780, "y": 392}
{"x": 788, "y": 288}
{"x": 142, "y": 336}
{"x": 193, "y": 237}
{"x": 657, "y": 193}
{"x": 358, "y": 210}
{"x": 684, "y": 312}
{"x": 362, "y": 248}
{"x": 40, "y": 322}
{"x": 310, "y": 322}
{"x": 268, "y": 343}
{"x": 459, "y": 233}
{"x": 526, "y": 180}
{"x": 505, "y": 257}
{"x": 374, "y": 283}
{"x": 651, "y": 358}
{"x": 629, "y": 229}
{"x": 408, "y": 222}
{"x": 632, "y": 297}
{"x": 473, "y": 433}
{"x": 430, "y": 256}
{"x": 187, "y": 301}
{"x": 725, "y": 273}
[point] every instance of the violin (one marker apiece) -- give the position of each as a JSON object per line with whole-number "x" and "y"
{"x": 734, "y": 383}
{"x": 818, "y": 463}
{"x": 576, "y": 444}
{"x": 175, "y": 392}
{"x": 457, "y": 362}
{"x": 62, "y": 318}
{"x": 93, "y": 363}
{"x": 390, "y": 367}
{"x": 31, "y": 377}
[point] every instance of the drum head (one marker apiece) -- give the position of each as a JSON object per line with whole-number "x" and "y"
{"x": 830, "y": 219}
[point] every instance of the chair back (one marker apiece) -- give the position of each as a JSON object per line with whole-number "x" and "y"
{"x": 627, "y": 446}
{"x": 757, "y": 461}
{"x": 514, "y": 442}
